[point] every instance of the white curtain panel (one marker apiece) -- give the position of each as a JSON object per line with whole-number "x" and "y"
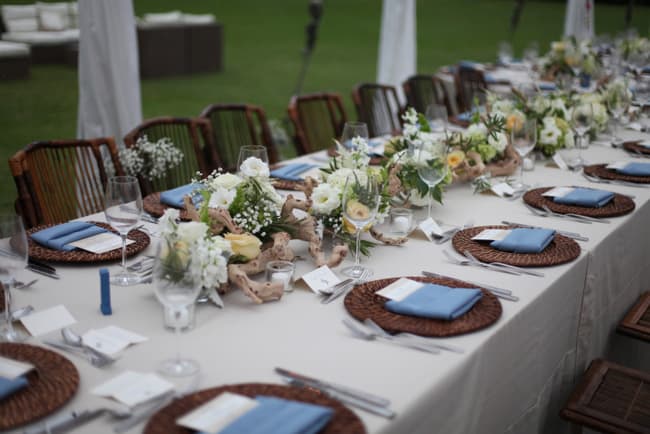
{"x": 109, "y": 82}
{"x": 579, "y": 19}
{"x": 397, "y": 44}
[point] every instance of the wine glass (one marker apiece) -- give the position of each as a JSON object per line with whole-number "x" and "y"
{"x": 436, "y": 114}
{"x": 123, "y": 209}
{"x": 504, "y": 55}
{"x": 431, "y": 170}
{"x": 353, "y": 130}
{"x": 581, "y": 120}
{"x": 177, "y": 285}
{"x": 360, "y": 203}
{"x": 523, "y": 138}
{"x": 13, "y": 257}
{"x": 248, "y": 151}
{"x": 618, "y": 102}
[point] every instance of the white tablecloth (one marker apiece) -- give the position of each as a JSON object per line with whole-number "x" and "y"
{"x": 514, "y": 376}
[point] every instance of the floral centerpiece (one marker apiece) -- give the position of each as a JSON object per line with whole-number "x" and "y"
{"x": 633, "y": 45}
{"x": 150, "y": 160}
{"x": 570, "y": 57}
{"x": 598, "y": 107}
{"x": 416, "y": 145}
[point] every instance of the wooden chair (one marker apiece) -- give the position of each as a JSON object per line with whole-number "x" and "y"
{"x": 470, "y": 83}
{"x": 60, "y": 180}
{"x": 318, "y": 119}
{"x": 237, "y": 125}
{"x": 377, "y": 105}
{"x": 611, "y": 398}
{"x": 423, "y": 90}
{"x": 637, "y": 321}
{"x": 191, "y": 135}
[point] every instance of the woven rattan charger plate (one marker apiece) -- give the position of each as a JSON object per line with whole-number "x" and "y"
{"x": 619, "y": 205}
{"x": 344, "y": 420}
{"x": 601, "y": 171}
{"x": 38, "y": 251}
{"x": 561, "y": 250}
{"x": 152, "y": 204}
{"x": 635, "y": 148}
{"x": 363, "y": 302}
{"x": 54, "y": 381}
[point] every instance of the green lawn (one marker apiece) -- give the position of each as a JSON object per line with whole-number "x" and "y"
{"x": 263, "y": 43}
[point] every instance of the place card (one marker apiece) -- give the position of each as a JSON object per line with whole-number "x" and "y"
{"x": 12, "y": 369}
{"x": 430, "y": 228}
{"x": 218, "y": 413}
{"x": 503, "y": 189}
{"x": 132, "y": 388}
{"x": 400, "y": 289}
{"x": 559, "y": 161}
{"x": 558, "y": 192}
{"x": 491, "y": 235}
{"x": 320, "y": 278}
{"x": 617, "y": 165}
{"x": 645, "y": 143}
{"x": 101, "y": 243}
{"x": 48, "y": 320}
{"x": 111, "y": 340}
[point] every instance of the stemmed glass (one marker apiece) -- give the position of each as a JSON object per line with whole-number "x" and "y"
{"x": 437, "y": 116}
{"x": 352, "y": 130}
{"x": 618, "y": 102}
{"x": 361, "y": 199}
{"x": 523, "y": 138}
{"x": 257, "y": 151}
{"x": 431, "y": 170}
{"x": 123, "y": 209}
{"x": 177, "y": 285}
{"x": 581, "y": 120}
{"x": 13, "y": 257}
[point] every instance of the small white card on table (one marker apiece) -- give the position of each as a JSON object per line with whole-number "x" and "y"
{"x": 491, "y": 235}
{"x": 101, "y": 243}
{"x": 111, "y": 340}
{"x": 430, "y": 228}
{"x": 559, "y": 161}
{"x": 321, "y": 278}
{"x": 503, "y": 189}
{"x": 10, "y": 368}
{"x": 132, "y": 388}
{"x": 48, "y": 320}
{"x": 400, "y": 289}
{"x": 558, "y": 192}
{"x": 218, "y": 413}
{"x": 617, "y": 165}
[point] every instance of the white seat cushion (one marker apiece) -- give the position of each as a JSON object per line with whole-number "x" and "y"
{"x": 53, "y": 16}
{"x": 21, "y": 25}
{"x": 198, "y": 19}
{"x": 13, "y": 12}
{"x": 43, "y": 38}
{"x": 166, "y": 17}
{"x": 13, "y": 49}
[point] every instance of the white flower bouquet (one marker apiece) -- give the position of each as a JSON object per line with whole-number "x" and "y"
{"x": 150, "y": 160}
{"x": 568, "y": 56}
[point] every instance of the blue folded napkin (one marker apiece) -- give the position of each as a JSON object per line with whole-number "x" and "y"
{"x": 546, "y": 85}
{"x": 436, "y": 301}
{"x": 635, "y": 169}
{"x": 292, "y": 171}
{"x": 524, "y": 240}
{"x": 174, "y": 197}
{"x": 280, "y": 416}
{"x": 9, "y": 387}
{"x": 465, "y": 116}
{"x": 586, "y": 197}
{"x": 57, "y": 237}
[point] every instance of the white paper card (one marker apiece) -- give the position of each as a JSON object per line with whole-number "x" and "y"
{"x": 400, "y": 289}
{"x": 430, "y": 228}
{"x": 618, "y": 165}
{"x": 557, "y": 159}
{"x": 503, "y": 189}
{"x": 558, "y": 192}
{"x": 48, "y": 320}
{"x": 111, "y": 340}
{"x": 491, "y": 235}
{"x": 320, "y": 278}
{"x": 218, "y": 413}
{"x": 101, "y": 243}
{"x": 10, "y": 368}
{"x": 645, "y": 144}
{"x": 132, "y": 388}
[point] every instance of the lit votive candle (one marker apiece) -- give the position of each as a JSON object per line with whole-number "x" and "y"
{"x": 280, "y": 271}
{"x": 401, "y": 220}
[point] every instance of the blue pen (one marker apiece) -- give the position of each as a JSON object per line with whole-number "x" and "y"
{"x": 105, "y": 286}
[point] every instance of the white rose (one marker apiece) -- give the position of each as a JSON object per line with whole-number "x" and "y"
{"x": 222, "y": 198}
{"x": 168, "y": 221}
{"x": 227, "y": 181}
{"x": 192, "y": 231}
{"x": 540, "y": 104}
{"x": 476, "y": 132}
{"x": 549, "y": 135}
{"x": 499, "y": 143}
{"x": 253, "y": 167}
{"x": 502, "y": 106}
{"x": 325, "y": 199}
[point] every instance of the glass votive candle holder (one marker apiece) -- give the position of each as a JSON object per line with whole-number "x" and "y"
{"x": 401, "y": 221}
{"x": 281, "y": 271}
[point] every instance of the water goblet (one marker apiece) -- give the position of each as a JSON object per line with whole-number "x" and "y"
{"x": 254, "y": 151}
{"x": 13, "y": 257}
{"x": 437, "y": 116}
{"x": 581, "y": 122}
{"x": 123, "y": 207}
{"x": 523, "y": 138}
{"x": 431, "y": 170}
{"x": 618, "y": 102}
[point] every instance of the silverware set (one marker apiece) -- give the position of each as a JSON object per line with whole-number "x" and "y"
{"x": 470, "y": 260}
{"x": 574, "y": 235}
{"x": 335, "y": 291}
{"x": 505, "y": 294}
{"x": 547, "y": 212}
{"x": 613, "y": 181}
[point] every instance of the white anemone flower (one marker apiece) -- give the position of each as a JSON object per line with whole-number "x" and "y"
{"x": 325, "y": 199}
{"x": 222, "y": 198}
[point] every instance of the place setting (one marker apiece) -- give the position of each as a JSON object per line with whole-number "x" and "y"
{"x": 630, "y": 173}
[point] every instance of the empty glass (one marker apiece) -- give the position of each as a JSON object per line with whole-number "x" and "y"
{"x": 437, "y": 116}
{"x": 13, "y": 257}
{"x": 618, "y": 102}
{"x": 122, "y": 210}
{"x": 257, "y": 151}
{"x": 352, "y": 130}
{"x": 504, "y": 54}
{"x": 581, "y": 122}
{"x": 523, "y": 138}
{"x": 431, "y": 170}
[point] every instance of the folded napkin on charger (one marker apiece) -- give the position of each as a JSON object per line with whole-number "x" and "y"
{"x": 175, "y": 196}
{"x": 635, "y": 169}
{"x": 280, "y": 416}
{"x": 292, "y": 171}
{"x": 546, "y": 85}
{"x": 57, "y": 237}
{"x": 9, "y": 387}
{"x": 524, "y": 240}
{"x": 586, "y": 197}
{"x": 436, "y": 301}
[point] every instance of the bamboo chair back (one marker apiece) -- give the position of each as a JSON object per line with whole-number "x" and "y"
{"x": 470, "y": 83}
{"x": 423, "y": 90}
{"x": 378, "y": 106}
{"x": 60, "y": 180}
{"x": 317, "y": 119}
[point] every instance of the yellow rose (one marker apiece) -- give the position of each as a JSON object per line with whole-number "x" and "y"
{"x": 357, "y": 211}
{"x": 246, "y": 245}
{"x": 514, "y": 123}
{"x": 455, "y": 158}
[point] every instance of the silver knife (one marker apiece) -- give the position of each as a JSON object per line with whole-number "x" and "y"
{"x": 38, "y": 269}
{"x": 354, "y": 393}
{"x": 574, "y": 235}
{"x": 342, "y": 289}
{"x": 64, "y": 422}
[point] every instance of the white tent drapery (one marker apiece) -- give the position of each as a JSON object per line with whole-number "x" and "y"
{"x": 109, "y": 82}
{"x": 579, "y": 19}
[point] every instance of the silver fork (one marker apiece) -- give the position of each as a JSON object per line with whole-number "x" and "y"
{"x": 343, "y": 289}
{"x": 613, "y": 181}
{"x": 467, "y": 262}
{"x": 542, "y": 213}
{"x": 365, "y": 333}
{"x": 579, "y": 217}
{"x": 520, "y": 270}
{"x": 411, "y": 338}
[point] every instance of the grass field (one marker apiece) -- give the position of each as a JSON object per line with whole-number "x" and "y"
{"x": 263, "y": 43}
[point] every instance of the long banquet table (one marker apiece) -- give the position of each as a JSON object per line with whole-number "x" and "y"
{"x": 514, "y": 376}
